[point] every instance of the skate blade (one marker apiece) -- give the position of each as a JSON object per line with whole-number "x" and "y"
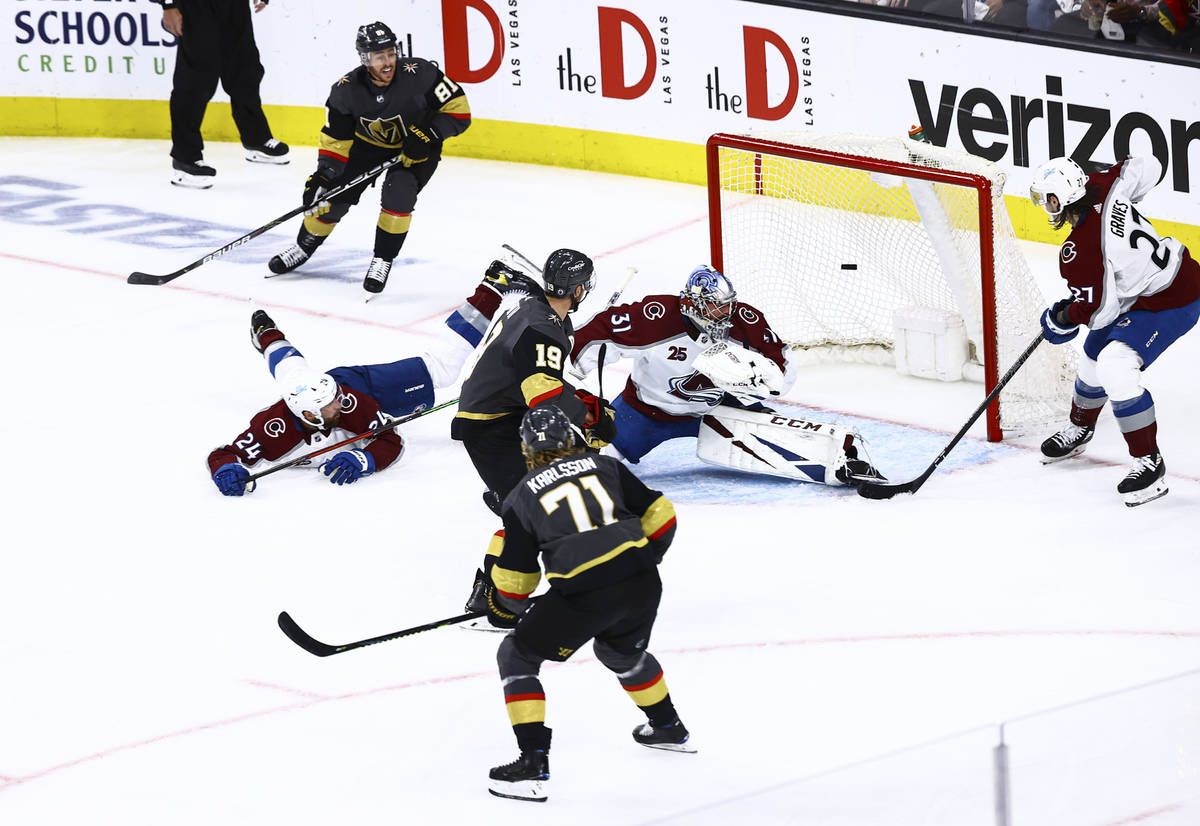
{"x": 258, "y": 157}
{"x": 531, "y": 790}
{"x": 683, "y": 748}
{"x": 1156, "y": 491}
{"x": 1049, "y": 460}
{"x": 482, "y": 624}
{"x": 188, "y": 182}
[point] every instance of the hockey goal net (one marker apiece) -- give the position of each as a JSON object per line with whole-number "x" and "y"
{"x": 831, "y": 234}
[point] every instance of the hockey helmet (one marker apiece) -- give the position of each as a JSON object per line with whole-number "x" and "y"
{"x": 708, "y": 300}
{"x": 546, "y": 428}
{"x": 310, "y": 392}
{"x": 1060, "y": 177}
{"x": 373, "y": 37}
{"x": 564, "y": 271}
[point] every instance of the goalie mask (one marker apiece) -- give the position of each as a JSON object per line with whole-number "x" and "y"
{"x": 311, "y": 392}
{"x": 1062, "y": 178}
{"x": 546, "y": 428}
{"x": 708, "y": 300}
{"x": 564, "y": 271}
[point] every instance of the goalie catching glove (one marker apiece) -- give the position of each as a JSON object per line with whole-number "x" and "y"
{"x": 738, "y": 369}
{"x": 600, "y": 427}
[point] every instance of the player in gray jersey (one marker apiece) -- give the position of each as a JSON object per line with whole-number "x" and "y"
{"x": 600, "y": 534}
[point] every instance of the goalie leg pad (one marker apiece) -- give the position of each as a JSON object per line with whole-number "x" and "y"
{"x": 774, "y": 444}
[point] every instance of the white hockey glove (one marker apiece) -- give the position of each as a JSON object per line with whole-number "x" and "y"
{"x": 737, "y": 369}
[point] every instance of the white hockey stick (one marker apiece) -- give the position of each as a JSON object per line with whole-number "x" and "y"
{"x": 528, "y": 263}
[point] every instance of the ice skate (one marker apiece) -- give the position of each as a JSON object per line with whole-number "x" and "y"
{"x": 1068, "y": 442}
{"x": 263, "y": 330}
{"x": 296, "y": 254}
{"x": 198, "y": 175}
{"x": 377, "y": 276}
{"x": 670, "y": 738}
{"x": 857, "y": 470}
{"x": 273, "y": 151}
{"x": 1146, "y": 480}
{"x": 477, "y": 602}
{"x": 523, "y": 779}
{"x": 504, "y": 278}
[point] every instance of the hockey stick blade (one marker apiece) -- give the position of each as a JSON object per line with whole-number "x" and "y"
{"x": 320, "y": 649}
{"x": 153, "y": 280}
{"x": 884, "y": 490}
{"x": 298, "y": 635}
{"x": 872, "y": 490}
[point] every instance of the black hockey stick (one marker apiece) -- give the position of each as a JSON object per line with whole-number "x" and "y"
{"x": 369, "y": 434}
{"x": 299, "y": 636}
{"x": 886, "y": 490}
{"x": 155, "y": 280}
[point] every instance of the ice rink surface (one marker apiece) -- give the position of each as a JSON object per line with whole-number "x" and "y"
{"x": 809, "y": 637}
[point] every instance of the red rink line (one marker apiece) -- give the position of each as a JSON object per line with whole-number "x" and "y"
{"x": 1147, "y": 815}
{"x": 314, "y": 699}
{"x": 411, "y": 327}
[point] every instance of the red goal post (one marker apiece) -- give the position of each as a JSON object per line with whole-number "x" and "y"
{"x": 831, "y": 234}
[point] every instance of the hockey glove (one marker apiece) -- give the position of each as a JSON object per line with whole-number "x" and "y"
{"x": 420, "y": 142}
{"x": 1057, "y": 325}
{"x": 317, "y": 185}
{"x": 349, "y": 466}
{"x": 600, "y": 427}
{"x": 232, "y": 480}
{"x": 503, "y": 611}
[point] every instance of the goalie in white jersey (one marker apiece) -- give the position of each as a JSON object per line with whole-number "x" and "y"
{"x": 703, "y": 364}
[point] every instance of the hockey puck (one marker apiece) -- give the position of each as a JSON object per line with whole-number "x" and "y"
{"x": 849, "y": 266}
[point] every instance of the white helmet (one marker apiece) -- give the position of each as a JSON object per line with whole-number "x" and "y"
{"x": 1060, "y": 177}
{"x": 310, "y": 391}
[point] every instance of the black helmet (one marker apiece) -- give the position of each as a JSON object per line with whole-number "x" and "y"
{"x": 567, "y": 269}
{"x": 374, "y": 37}
{"x": 547, "y": 428}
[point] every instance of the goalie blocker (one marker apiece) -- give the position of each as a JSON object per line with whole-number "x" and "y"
{"x": 779, "y": 445}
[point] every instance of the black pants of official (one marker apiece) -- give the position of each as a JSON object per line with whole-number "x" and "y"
{"x": 217, "y": 44}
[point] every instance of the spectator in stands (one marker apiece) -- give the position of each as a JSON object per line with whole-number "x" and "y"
{"x": 999, "y": 12}
{"x": 216, "y": 42}
{"x": 1044, "y": 14}
{"x": 1173, "y": 23}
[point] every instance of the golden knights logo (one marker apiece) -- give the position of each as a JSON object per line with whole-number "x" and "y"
{"x": 385, "y": 132}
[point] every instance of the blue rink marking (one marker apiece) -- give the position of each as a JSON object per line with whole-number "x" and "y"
{"x": 43, "y": 202}
{"x": 901, "y": 452}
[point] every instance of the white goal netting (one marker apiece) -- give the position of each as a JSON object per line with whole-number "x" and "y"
{"x": 830, "y": 250}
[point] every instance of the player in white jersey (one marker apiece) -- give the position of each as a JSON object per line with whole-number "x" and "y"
{"x": 1136, "y": 291}
{"x": 700, "y": 355}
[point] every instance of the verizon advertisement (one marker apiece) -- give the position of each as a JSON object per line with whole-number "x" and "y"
{"x": 668, "y": 69}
